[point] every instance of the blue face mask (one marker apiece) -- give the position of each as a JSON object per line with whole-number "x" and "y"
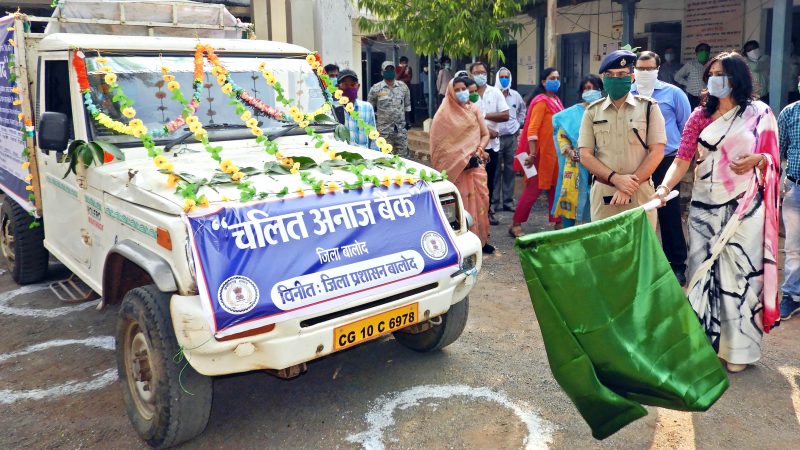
{"x": 481, "y": 80}
{"x": 462, "y": 96}
{"x": 505, "y": 82}
{"x": 591, "y": 95}
{"x": 552, "y": 85}
{"x": 334, "y": 81}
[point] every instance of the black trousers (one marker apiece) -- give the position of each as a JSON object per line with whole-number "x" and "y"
{"x": 669, "y": 221}
{"x": 491, "y": 167}
{"x": 694, "y": 102}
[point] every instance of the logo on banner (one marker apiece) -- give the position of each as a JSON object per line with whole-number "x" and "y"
{"x": 434, "y": 245}
{"x": 238, "y": 295}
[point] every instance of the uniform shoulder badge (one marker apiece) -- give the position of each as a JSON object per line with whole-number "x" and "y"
{"x": 596, "y": 102}
{"x": 646, "y": 99}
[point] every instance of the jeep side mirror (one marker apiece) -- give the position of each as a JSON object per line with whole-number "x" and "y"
{"x": 53, "y": 132}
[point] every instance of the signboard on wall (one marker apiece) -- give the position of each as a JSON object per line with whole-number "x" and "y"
{"x": 718, "y": 23}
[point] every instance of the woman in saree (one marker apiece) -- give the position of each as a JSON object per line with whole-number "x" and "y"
{"x": 572, "y": 197}
{"x": 457, "y": 140}
{"x": 733, "y": 215}
{"x": 536, "y": 141}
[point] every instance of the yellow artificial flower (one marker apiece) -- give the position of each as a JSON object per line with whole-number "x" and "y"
{"x": 227, "y": 89}
{"x": 17, "y": 102}
{"x": 245, "y": 116}
{"x": 349, "y": 107}
{"x": 15, "y": 90}
{"x": 173, "y": 180}
{"x": 344, "y": 100}
{"x": 168, "y": 167}
{"x": 333, "y": 187}
{"x": 105, "y": 69}
{"x": 160, "y": 160}
{"x": 251, "y": 122}
{"x": 271, "y": 80}
{"x": 225, "y": 198}
{"x": 278, "y": 155}
{"x": 168, "y": 78}
{"x": 11, "y": 42}
{"x": 29, "y": 188}
{"x": 101, "y": 60}
{"x": 303, "y": 123}
{"x": 136, "y": 123}
{"x": 287, "y": 162}
{"x": 411, "y": 180}
{"x": 164, "y": 69}
{"x": 216, "y": 70}
{"x": 294, "y": 110}
{"x": 325, "y": 107}
{"x": 387, "y": 149}
{"x": 172, "y": 85}
{"x": 295, "y": 168}
{"x": 398, "y": 179}
{"x": 332, "y": 154}
{"x": 28, "y": 178}
{"x": 311, "y": 58}
{"x": 20, "y": 116}
{"x": 200, "y": 134}
{"x": 138, "y": 132}
{"x": 380, "y": 142}
{"x": 320, "y": 71}
{"x": 338, "y": 94}
{"x": 10, "y": 28}
{"x": 232, "y": 169}
{"x": 236, "y": 177}
{"x": 195, "y": 127}
{"x": 386, "y": 181}
{"x": 192, "y": 119}
{"x": 262, "y": 66}
{"x": 188, "y": 205}
{"x": 298, "y": 118}
{"x": 202, "y": 201}
{"x": 325, "y": 147}
{"x": 300, "y": 192}
{"x": 221, "y": 79}
{"x": 129, "y": 112}
{"x": 374, "y": 135}
{"x": 257, "y": 131}
{"x": 25, "y": 165}
{"x": 225, "y": 165}
{"x": 315, "y": 65}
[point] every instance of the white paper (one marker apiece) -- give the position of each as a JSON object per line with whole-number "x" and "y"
{"x": 530, "y": 172}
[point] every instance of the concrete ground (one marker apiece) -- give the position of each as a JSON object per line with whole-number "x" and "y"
{"x": 490, "y": 389}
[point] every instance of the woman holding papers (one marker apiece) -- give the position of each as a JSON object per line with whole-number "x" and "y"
{"x": 458, "y": 137}
{"x": 733, "y": 216}
{"x": 572, "y": 187}
{"x": 537, "y": 142}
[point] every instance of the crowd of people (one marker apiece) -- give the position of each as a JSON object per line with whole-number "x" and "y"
{"x": 630, "y": 139}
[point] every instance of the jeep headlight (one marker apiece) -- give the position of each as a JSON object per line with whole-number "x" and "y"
{"x": 452, "y": 211}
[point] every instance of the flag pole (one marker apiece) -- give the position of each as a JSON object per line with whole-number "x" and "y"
{"x": 656, "y": 202}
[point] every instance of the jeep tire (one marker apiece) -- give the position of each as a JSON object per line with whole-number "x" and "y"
{"x": 22, "y": 245}
{"x": 167, "y": 401}
{"x": 440, "y": 335}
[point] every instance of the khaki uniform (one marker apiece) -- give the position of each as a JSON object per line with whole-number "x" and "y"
{"x": 610, "y": 131}
{"x": 391, "y": 105}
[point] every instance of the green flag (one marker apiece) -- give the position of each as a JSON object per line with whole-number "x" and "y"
{"x": 618, "y": 329}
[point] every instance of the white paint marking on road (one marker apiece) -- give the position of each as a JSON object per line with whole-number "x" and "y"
{"x": 100, "y": 380}
{"x": 674, "y": 429}
{"x": 791, "y": 374}
{"x": 6, "y": 309}
{"x": 381, "y": 416}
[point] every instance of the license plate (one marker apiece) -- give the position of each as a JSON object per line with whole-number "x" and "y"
{"x": 372, "y": 327}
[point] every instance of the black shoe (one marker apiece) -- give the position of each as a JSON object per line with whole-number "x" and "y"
{"x": 493, "y": 220}
{"x": 679, "y": 274}
{"x": 508, "y": 208}
{"x": 488, "y": 249}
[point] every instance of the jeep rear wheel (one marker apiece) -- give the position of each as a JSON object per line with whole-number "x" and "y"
{"x": 439, "y": 335}
{"x": 22, "y": 246}
{"x": 168, "y": 402}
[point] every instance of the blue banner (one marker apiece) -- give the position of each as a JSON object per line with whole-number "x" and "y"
{"x": 11, "y": 140}
{"x": 262, "y": 263}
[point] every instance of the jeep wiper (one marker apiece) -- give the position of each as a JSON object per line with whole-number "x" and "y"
{"x": 212, "y": 126}
{"x": 289, "y": 127}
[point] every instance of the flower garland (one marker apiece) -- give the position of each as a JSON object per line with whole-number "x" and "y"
{"x": 315, "y": 61}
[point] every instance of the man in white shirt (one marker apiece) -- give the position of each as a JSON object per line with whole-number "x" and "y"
{"x": 509, "y": 135}
{"x": 493, "y": 104}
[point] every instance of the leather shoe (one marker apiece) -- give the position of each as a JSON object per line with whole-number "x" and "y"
{"x": 493, "y": 220}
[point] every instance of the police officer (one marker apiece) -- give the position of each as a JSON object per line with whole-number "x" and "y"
{"x": 621, "y": 141}
{"x": 391, "y": 100}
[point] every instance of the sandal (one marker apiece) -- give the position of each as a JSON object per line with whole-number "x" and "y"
{"x": 735, "y": 368}
{"x": 516, "y": 231}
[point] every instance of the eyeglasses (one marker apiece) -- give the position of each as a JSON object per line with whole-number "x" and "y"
{"x": 646, "y": 69}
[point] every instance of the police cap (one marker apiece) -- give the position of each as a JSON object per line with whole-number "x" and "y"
{"x": 618, "y": 59}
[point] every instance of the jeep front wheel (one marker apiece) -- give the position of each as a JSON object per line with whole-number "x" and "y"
{"x": 449, "y": 327}
{"x": 167, "y": 401}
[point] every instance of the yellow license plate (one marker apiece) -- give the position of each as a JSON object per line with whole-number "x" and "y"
{"x": 375, "y": 326}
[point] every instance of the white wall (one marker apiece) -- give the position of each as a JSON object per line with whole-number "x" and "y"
{"x": 333, "y": 32}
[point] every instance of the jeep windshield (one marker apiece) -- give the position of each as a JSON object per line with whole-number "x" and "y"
{"x": 143, "y": 82}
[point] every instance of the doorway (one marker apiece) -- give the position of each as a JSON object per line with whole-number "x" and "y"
{"x": 574, "y": 65}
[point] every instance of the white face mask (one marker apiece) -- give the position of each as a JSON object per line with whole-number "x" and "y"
{"x": 646, "y": 81}
{"x": 718, "y": 86}
{"x": 754, "y": 54}
{"x": 669, "y": 57}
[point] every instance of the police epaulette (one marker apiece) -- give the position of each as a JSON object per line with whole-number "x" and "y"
{"x": 644, "y": 97}
{"x": 595, "y": 102}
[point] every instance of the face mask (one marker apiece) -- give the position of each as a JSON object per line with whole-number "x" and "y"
{"x": 447, "y": 66}
{"x": 481, "y": 80}
{"x": 334, "y": 80}
{"x": 505, "y": 82}
{"x": 617, "y": 87}
{"x": 389, "y": 74}
{"x": 754, "y": 54}
{"x": 719, "y": 87}
{"x": 462, "y": 96}
{"x": 646, "y": 81}
{"x": 702, "y": 57}
{"x": 669, "y": 57}
{"x": 351, "y": 93}
{"x": 474, "y": 97}
{"x": 591, "y": 95}
{"x": 552, "y": 85}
